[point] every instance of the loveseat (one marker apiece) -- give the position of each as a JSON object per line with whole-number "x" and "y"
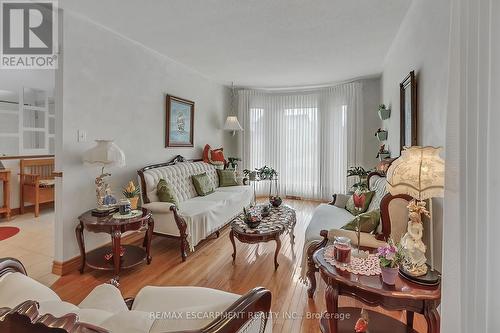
{"x": 28, "y": 306}
{"x": 327, "y": 221}
{"x": 196, "y": 217}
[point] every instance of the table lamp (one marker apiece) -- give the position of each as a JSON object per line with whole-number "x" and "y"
{"x": 104, "y": 154}
{"x": 418, "y": 172}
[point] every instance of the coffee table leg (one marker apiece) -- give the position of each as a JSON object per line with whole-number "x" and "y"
{"x": 332, "y": 307}
{"x": 278, "y": 247}
{"x": 409, "y": 318}
{"x": 231, "y": 236}
{"x": 149, "y": 235}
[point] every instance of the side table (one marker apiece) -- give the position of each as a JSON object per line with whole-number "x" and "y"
{"x": 133, "y": 255}
{"x": 404, "y": 295}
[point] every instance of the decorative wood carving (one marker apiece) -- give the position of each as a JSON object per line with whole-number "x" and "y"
{"x": 182, "y": 225}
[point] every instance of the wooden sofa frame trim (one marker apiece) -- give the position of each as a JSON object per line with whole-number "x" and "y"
{"x": 25, "y": 318}
{"x": 384, "y": 236}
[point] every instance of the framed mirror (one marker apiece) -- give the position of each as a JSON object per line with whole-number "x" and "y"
{"x": 408, "y": 109}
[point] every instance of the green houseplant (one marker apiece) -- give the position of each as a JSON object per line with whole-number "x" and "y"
{"x": 232, "y": 162}
{"x": 362, "y": 174}
{"x": 131, "y": 192}
{"x": 383, "y": 153}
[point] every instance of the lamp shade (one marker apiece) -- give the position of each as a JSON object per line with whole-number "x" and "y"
{"x": 419, "y": 172}
{"x": 232, "y": 124}
{"x": 105, "y": 153}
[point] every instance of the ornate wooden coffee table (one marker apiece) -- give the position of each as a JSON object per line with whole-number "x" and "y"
{"x": 133, "y": 255}
{"x": 370, "y": 290}
{"x": 281, "y": 219}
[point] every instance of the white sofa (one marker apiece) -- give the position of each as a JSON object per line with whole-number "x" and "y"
{"x": 327, "y": 220}
{"x": 154, "y": 309}
{"x": 196, "y": 217}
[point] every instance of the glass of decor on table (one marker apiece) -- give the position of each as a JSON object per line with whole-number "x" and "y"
{"x": 342, "y": 250}
{"x": 359, "y": 199}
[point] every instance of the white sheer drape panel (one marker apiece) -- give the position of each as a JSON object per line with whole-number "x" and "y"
{"x": 303, "y": 135}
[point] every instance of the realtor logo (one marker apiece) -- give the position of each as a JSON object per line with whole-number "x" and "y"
{"x": 28, "y": 34}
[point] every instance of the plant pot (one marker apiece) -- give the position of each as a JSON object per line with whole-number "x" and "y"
{"x": 384, "y": 114}
{"x": 383, "y": 156}
{"x": 382, "y": 136}
{"x": 133, "y": 202}
{"x": 389, "y": 275}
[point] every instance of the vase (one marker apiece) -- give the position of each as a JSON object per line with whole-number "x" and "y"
{"x": 133, "y": 202}
{"x": 384, "y": 114}
{"x": 389, "y": 275}
{"x": 382, "y": 135}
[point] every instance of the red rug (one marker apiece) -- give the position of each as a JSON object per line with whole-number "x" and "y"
{"x": 7, "y": 232}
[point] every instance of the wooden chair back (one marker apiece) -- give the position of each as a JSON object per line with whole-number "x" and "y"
{"x": 43, "y": 167}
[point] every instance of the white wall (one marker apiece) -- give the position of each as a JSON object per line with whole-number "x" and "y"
{"x": 422, "y": 45}
{"x": 371, "y": 122}
{"x": 14, "y": 80}
{"x": 115, "y": 88}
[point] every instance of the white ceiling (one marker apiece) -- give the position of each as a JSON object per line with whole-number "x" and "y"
{"x": 264, "y": 43}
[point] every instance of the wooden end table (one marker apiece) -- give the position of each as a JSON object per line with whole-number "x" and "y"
{"x": 133, "y": 256}
{"x": 404, "y": 295}
{"x": 281, "y": 219}
{"x": 5, "y": 180}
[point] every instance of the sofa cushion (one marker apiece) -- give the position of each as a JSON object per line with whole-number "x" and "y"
{"x": 104, "y": 297}
{"x": 227, "y": 178}
{"x": 202, "y": 184}
{"x": 15, "y": 288}
{"x": 166, "y": 193}
{"x": 129, "y": 322}
{"x": 368, "y": 222}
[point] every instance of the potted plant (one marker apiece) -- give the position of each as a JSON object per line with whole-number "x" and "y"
{"x": 383, "y": 153}
{"x": 266, "y": 173}
{"x": 362, "y": 175}
{"x": 383, "y": 112}
{"x": 390, "y": 257}
{"x": 232, "y": 162}
{"x": 131, "y": 192}
{"x": 381, "y": 134}
{"x": 249, "y": 175}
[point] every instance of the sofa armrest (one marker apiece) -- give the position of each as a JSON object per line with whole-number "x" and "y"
{"x": 366, "y": 239}
{"x": 240, "y": 313}
{"x": 339, "y": 200}
{"x": 159, "y": 207}
{"x": 11, "y": 265}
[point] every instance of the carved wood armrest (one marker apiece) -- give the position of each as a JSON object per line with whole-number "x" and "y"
{"x": 28, "y": 178}
{"x": 240, "y": 312}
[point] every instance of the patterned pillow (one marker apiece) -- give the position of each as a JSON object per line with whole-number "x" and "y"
{"x": 214, "y": 156}
{"x": 166, "y": 193}
{"x": 202, "y": 184}
{"x": 227, "y": 178}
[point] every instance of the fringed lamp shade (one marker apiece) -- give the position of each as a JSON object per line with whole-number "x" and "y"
{"x": 105, "y": 153}
{"x": 419, "y": 172}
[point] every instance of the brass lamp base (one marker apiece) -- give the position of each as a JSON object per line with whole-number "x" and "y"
{"x": 431, "y": 278}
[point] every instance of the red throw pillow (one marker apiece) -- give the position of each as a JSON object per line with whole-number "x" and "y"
{"x": 216, "y": 156}
{"x": 206, "y": 152}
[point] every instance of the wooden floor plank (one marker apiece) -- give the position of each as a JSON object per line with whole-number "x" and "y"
{"x": 211, "y": 266}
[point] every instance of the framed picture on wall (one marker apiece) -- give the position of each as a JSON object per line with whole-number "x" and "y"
{"x": 179, "y": 122}
{"x": 408, "y": 109}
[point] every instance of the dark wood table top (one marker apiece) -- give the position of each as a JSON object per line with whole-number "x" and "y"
{"x": 373, "y": 284}
{"x": 89, "y": 220}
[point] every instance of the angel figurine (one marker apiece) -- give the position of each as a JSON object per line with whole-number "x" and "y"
{"x": 413, "y": 246}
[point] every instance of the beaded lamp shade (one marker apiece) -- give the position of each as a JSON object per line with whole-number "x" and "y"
{"x": 419, "y": 172}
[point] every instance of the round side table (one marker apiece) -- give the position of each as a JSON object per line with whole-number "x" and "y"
{"x": 404, "y": 295}
{"x": 132, "y": 256}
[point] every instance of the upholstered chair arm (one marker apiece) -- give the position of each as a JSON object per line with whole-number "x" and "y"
{"x": 242, "y": 316}
{"x": 366, "y": 239}
{"x": 159, "y": 207}
{"x": 11, "y": 265}
{"x": 339, "y": 200}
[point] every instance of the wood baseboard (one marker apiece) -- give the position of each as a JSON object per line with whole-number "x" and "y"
{"x": 73, "y": 264}
{"x": 31, "y": 209}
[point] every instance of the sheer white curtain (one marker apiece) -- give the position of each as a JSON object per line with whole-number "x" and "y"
{"x": 309, "y": 137}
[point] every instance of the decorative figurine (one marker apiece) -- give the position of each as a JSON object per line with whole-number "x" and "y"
{"x": 413, "y": 246}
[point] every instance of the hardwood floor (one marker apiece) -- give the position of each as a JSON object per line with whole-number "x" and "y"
{"x": 211, "y": 266}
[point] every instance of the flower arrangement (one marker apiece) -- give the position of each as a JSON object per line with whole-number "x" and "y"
{"x": 390, "y": 255}
{"x": 132, "y": 192}
{"x": 383, "y": 153}
{"x": 233, "y": 162}
{"x": 362, "y": 175}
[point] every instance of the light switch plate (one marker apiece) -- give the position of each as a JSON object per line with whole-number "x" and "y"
{"x": 81, "y": 136}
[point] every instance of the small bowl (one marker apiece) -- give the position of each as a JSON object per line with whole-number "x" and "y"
{"x": 252, "y": 224}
